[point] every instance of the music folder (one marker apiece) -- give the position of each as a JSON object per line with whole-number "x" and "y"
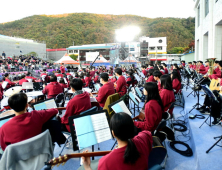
{"x": 45, "y": 104}
{"x": 89, "y": 129}
{"x": 27, "y": 85}
{"x": 120, "y": 106}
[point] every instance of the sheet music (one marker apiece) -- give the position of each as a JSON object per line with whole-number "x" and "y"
{"x": 137, "y": 77}
{"x": 101, "y": 127}
{"x": 138, "y": 91}
{"x": 85, "y": 132}
{"x": 93, "y": 99}
{"x": 97, "y": 86}
{"x": 50, "y": 104}
{"x": 121, "y": 107}
{"x": 134, "y": 98}
{"x": 142, "y": 75}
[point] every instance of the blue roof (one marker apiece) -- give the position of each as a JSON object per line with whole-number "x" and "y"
{"x": 89, "y": 47}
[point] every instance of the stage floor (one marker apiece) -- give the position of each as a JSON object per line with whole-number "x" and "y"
{"x": 201, "y": 139}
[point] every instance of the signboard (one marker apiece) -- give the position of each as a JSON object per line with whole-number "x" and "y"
{"x": 91, "y": 56}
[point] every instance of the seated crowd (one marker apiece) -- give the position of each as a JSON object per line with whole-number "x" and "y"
{"x": 134, "y": 138}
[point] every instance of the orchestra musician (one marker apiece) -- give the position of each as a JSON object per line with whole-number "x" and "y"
{"x": 62, "y": 68}
{"x": 165, "y": 68}
{"x": 157, "y": 75}
{"x": 132, "y": 151}
{"x": 53, "y": 88}
{"x": 190, "y": 65}
{"x": 87, "y": 79}
{"x": 29, "y": 76}
{"x": 166, "y": 93}
{"x": 176, "y": 81}
{"x": 10, "y": 84}
{"x": 217, "y": 71}
{"x": 79, "y": 103}
{"x": 153, "y": 108}
{"x": 22, "y": 80}
{"x": 105, "y": 91}
{"x": 120, "y": 83}
{"x": 25, "y": 124}
{"x": 150, "y": 78}
{"x": 144, "y": 70}
{"x": 130, "y": 79}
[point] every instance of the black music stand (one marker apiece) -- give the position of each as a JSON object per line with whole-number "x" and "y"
{"x": 220, "y": 138}
{"x": 188, "y": 76}
{"x": 212, "y": 98}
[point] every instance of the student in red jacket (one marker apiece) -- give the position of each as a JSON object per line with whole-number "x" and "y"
{"x": 96, "y": 79}
{"x": 79, "y": 103}
{"x": 202, "y": 69}
{"x": 150, "y": 78}
{"x": 87, "y": 79}
{"x": 165, "y": 68}
{"x": 59, "y": 74}
{"x": 130, "y": 79}
{"x": 144, "y": 70}
{"x": 44, "y": 73}
{"x": 53, "y": 88}
{"x": 105, "y": 91}
{"x": 22, "y": 80}
{"x": 176, "y": 81}
{"x": 157, "y": 75}
{"x": 120, "y": 83}
{"x": 153, "y": 108}
{"x": 29, "y": 76}
{"x": 10, "y": 84}
{"x": 24, "y": 125}
{"x": 62, "y": 68}
{"x": 62, "y": 83}
{"x": 132, "y": 152}
{"x": 167, "y": 94}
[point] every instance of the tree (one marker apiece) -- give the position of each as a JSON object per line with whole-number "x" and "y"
{"x": 74, "y": 56}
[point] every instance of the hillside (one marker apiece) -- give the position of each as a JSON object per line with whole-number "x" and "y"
{"x": 59, "y": 31}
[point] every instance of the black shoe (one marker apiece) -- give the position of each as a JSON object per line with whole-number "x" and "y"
{"x": 216, "y": 122}
{"x": 202, "y": 107}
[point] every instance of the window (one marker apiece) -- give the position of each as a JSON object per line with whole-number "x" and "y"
{"x": 160, "y": 41}
{"x": 198, "y": 16}
{"x": 152, "y": 48}
{"x": 132, "y": 49}
{"x": 206, "y": 7}
{"x": 75, "y": 51}
{"x": 70, "y": 51}
{"x": 159, "y": 48}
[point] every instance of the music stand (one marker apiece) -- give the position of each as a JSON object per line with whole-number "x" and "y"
{"x": 136, "y": 100}
{"x": 83, "y": 128}
{"x": 45, "y": 104}
{"x": 119, "y": 106}
{"x": 27, "y": 85}
{"x": 212, "y": 97}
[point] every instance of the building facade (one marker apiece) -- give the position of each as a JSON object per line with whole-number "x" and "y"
{"x": 13, "y": 46}
{"x": 144, "y": 47}
{"x": 208, "y": 29}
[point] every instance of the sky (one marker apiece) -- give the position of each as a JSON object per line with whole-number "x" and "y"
{"x": 14, "y": 10}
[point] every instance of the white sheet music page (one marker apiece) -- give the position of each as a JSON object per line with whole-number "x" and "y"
{"x": 101, "y": 127}
{"x": 50, "y": 104}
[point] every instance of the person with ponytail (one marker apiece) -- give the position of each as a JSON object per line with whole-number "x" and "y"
{"x": 153, "y": 108}
{"x": 132, "y": 151}
{"x": 130, "y": 79}
{"x": 167, "y": 94}
{"x": 176, "y": 81}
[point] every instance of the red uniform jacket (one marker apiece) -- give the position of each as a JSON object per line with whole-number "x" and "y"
{"x": 129, "y": 81}
{"x": 30, "y": 77}
{"x": 92, "y": 73}
{"x": 166, "y": 71}
{"x": 83, "y": 81}
{"x": 206, "y": 70}
{"x": 53, "y": 89}
{"x": 87, "y": 80}
{"x": 115, "y": 159}
{"x": 68, "y": 74}
{"x": 59, "y": 75}
{"x": 159, "y": 86}
{"x": 121, "y": 86}
{"x": 103, "y": 93}
{"x": 151, "y": 79}
{"x": 216, "y": 75}
{"x": 63, "y": 85}
{"x": 183, "y": 64}
{"x": 10, "y": 84}
{"x": 22, "y": 80}
{"x": 216, "y": 70}
{"x": 153, "y": 116}
{"x": 1, "y": 91}
{"x": 176, "y": 85}
{"x": 96, "y": 79}
{"x": 202, "y": 69}
{"x": 144, "y": 72}
{"x": 162, "y": 72}
{"x": 167, "y": 97}
{"x": 191, "y": 66}
{"x": 43, "y": 74}
{"x": 24, "y": 126}
{"x": 194, "y": 67}
{"x": 113, "y": 80}
{"x": 62, "y": 68}
{"x": 76, "y": 105}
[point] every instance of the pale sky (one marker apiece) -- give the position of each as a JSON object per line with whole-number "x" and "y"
{"x": 16, "y": 9}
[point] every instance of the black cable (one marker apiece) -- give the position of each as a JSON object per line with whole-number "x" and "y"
{"x": 188, "y": 152}
{"x": 182, "y": 128}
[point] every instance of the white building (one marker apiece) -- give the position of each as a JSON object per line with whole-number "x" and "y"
{"x": 208, "y": 29}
